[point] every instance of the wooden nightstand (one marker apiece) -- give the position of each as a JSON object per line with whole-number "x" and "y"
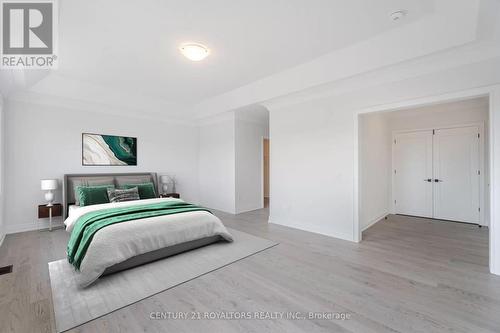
{"x": 170, "y": 195}
{"x": 49, "y": 212}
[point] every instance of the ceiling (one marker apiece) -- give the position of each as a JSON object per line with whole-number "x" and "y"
{"x": 131, "y": 46}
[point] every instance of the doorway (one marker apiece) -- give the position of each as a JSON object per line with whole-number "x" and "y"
{"x": 429, "y": 161}
{"x": 437, "y": 173}
{"x": 265, "y": 166}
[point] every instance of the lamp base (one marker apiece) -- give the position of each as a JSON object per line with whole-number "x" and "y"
{"x": 49, "y": 196}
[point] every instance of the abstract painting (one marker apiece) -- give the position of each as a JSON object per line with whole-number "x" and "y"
{"x": 99, "y": 149}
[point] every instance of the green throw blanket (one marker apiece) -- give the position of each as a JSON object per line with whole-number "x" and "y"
{"x": 88, "y": 224}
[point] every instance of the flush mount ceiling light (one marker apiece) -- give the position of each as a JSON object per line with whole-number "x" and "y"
{"x": 398, "y": 15}
{"x": 194, "y": 51}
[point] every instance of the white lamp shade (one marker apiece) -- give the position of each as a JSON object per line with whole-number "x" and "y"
{"x": 164, "y": 179}
{"x": 48, "y": 184}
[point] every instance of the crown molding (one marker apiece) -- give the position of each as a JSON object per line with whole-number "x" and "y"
{"x": 473, "y": 53}
{"x": 79, "y": 105}
{"x": 218, "y": 118}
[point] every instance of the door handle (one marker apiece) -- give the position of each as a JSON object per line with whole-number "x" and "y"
{"x": 428, "y": 180}
{"x": 438, "y": 180}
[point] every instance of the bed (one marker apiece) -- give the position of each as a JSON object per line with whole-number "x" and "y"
{"x": 151, "y": 229}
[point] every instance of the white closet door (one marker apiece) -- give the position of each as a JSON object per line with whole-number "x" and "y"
{"x": 413, "y": 173}
{"x": 456, "y": 169}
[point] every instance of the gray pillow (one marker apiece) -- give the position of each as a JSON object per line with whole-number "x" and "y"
{"x": 122, "y": 180}
{"x": 88, "y": 182}
{"x": 120, "y": 195}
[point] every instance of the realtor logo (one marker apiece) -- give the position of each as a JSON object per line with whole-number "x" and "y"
{"x": 28, "y": 34}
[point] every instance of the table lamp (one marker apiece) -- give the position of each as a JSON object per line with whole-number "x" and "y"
{"x": 49, "y": 185}
{"x": 164, "y": 180}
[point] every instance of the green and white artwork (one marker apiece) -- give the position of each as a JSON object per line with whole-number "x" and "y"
{"x": 98, "y": 149}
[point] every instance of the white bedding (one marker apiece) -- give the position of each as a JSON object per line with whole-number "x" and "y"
{"x": 72, "y": 208}
{"x": 119, "y": 242}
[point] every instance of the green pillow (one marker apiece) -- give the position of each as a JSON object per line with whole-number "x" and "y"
{"x": 146, "y": 190}
{"x": 93, "y": 195}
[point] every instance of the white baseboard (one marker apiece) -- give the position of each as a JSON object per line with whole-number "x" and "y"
{"x": 375, "y": 220}
{"x": 249, "y": 209}
{"x": 246, "y": 210}
{"x": 23, "y": 227}
{"x": 19, "y": 227}
{"x": 305, "y": 227}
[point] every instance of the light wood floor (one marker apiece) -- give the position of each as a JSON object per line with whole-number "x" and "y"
{"x": 408, "y": 275}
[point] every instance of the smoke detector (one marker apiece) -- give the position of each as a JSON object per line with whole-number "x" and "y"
{"x": 398, "y": 15}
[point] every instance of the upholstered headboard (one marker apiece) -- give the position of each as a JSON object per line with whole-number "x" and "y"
{"x": 72, "y": 180}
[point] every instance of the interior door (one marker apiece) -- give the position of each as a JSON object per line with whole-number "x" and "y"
{"x": 266, "y": 168}
{"x": 456, "y": 174}
{"x": 413, "y": 173}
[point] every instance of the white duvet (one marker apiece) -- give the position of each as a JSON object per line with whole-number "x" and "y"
{"x": 119, "y": 242}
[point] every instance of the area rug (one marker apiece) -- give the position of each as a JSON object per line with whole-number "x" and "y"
{"x": 74, "y": 307}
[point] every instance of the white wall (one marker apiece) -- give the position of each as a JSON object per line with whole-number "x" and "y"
{"x": 45, "y": 142}
{"x": 495, "y": 181}
{"x": 217, "y": 163}
{"x": 230, "y": 159}
{"x": 314, "y": 144}
{"x": 375, "y": 140}
{"x": 249, "y": 161}
{"x": 2, "y": 169}
{"x": 312, "y": 168}
{"x": 375, "y": 166}
{"x": 440, "y": 115}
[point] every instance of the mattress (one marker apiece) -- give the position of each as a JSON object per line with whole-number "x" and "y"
{"x": 123, "y": 245}
{"x": 72, "y": 209}
{"x": 160, "y": 254}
